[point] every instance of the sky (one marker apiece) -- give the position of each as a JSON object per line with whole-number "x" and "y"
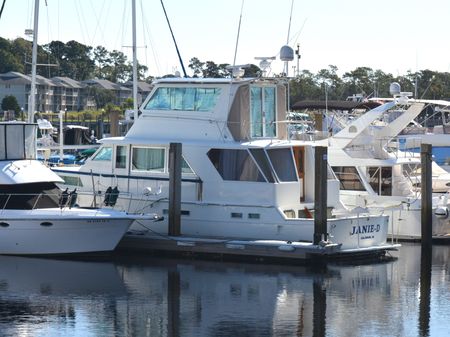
{"x": 394, "y": 36}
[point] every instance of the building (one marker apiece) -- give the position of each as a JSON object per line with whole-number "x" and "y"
{"x": 63, "y": 93}
{"x": 121, "y": 93}
{"x": 144, "y": 89}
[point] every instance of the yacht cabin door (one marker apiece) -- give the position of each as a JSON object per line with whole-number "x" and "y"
{"x": 121, "y": 165}
{"x": 299, "y": 157}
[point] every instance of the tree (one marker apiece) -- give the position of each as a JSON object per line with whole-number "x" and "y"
{"x": 101, "y": 96}
{"x": 10, "y": 103}
{"x": 127, "y": 104}
{"x": 330, "y": 79}
{"x": 197, "y": 66}
{"x": 359, "y": 81}
{"x": 74, "y": 59}
{"x": 252, "y": 71}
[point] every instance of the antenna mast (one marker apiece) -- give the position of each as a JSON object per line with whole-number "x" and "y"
{"x": 32, "y": 96}
{"x": 174, "y": 41}
{"x": 290, "y": 19}
{"x": 237, "y": 38}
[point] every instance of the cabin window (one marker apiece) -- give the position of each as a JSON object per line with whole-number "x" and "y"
{"x": 263, "y": 163}
{"x": 263, "y": 111}
{"x": 185, "y": 168}
{"x": 349, "y": 178}
{"x": 380, "y": 179}
{"x": 235, "y": 165}
{"x": 71, "y": 181}
{"x": 104, "y": 154}
{"x": 184, "y": 99}
{"x": 283, "y": 163}
{"x": 121, "y": 157}
{"x": 148, "y": 159}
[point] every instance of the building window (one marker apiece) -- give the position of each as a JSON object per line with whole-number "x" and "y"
{"x": 263, "y": 112}
{"x": 184, "y": 99}
{"x": 148, "y": 159}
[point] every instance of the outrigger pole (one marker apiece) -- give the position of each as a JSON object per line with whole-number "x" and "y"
{"x": 174, "y": 41}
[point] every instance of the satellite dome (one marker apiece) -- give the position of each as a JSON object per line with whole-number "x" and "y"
{"x": 286, "y": 53}
{"x": 394, "y": 89}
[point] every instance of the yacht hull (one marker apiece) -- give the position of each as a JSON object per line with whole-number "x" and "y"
{"x": 404, "y": 218}
{"x": 66, "y": 231}
{"x": 265, "y": 223}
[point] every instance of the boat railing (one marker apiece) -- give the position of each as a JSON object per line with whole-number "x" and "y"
{"x": 64, "y": 200}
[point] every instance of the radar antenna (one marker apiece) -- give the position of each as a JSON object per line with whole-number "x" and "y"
{"x": 265, "y": 63}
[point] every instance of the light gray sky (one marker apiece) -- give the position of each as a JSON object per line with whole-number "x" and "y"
{"x": 394, "y": 36}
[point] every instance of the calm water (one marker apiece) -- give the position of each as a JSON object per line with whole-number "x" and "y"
{"x": 140, "y": 296}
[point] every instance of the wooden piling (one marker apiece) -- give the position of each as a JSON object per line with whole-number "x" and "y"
{"x": 114, "y": 123}
{"x": 319, "y": 309}
{"x": 426, "y": 191}
{"x": 173, "y": 303}
{"x": 320, "y": 194}
{"x": 175, "y": 189}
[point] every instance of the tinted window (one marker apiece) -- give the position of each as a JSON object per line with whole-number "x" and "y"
{"x": 349, "y": 178}
{"x": 283, "y": 164}
{"x": 263, "y": 111}
{"x": 263, "y": 163}
{"x": 121, "y": 156}
{"x": 185, "y": 99}
{"x": 235, "y": 165}
{"x": 105, "y": 153}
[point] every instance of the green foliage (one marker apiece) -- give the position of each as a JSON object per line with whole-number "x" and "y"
{"x": 10, "y": 103}
{"x": 127, "y": 104}
{"x": 101, "y": 96}
{"x": 208, "y": 69}
{"x": 80, "y": 62}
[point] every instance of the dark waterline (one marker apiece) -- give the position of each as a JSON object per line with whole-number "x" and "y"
{"x": 148, "y": 296}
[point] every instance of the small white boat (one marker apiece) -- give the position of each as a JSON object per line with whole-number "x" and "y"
{"x": 36, "y": 217}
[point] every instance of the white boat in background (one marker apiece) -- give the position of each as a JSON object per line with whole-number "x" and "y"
{"x": 436, "y": 113}
{"x": 381, "y": 179}
{"x": 36, "y": 217}
{"x": 242, "y": 177}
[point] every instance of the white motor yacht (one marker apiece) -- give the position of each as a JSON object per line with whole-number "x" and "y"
{"x": 36, "y": 217}
{"x": 382, "y": 180}
{"x": 242, "y": 177}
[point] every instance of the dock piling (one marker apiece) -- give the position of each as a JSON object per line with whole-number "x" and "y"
{"x": 320, "y": 195}
{"x": 175, "y": 189}
{"x": 426, "y": 194}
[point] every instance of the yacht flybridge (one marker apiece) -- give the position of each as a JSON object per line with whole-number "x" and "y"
{"x": 242, "y": 177}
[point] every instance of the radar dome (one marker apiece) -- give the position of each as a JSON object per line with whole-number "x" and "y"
{"x": 394, "y": 89}
{"x": 286, "y": 53}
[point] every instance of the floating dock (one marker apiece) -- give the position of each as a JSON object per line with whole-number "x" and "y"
{"x": 258, "y": 250}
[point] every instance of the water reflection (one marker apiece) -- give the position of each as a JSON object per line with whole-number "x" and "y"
{"x": 142, "y": 296}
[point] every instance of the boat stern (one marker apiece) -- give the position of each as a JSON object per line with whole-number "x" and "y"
{"x": 362, "y": 231}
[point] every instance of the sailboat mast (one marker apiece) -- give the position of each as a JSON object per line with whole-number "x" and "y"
{"x": 32, "y": 96}
{"x": 135, "y": 79}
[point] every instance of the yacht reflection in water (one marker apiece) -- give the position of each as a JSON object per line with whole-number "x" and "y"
{"x": 166, "y": 297}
